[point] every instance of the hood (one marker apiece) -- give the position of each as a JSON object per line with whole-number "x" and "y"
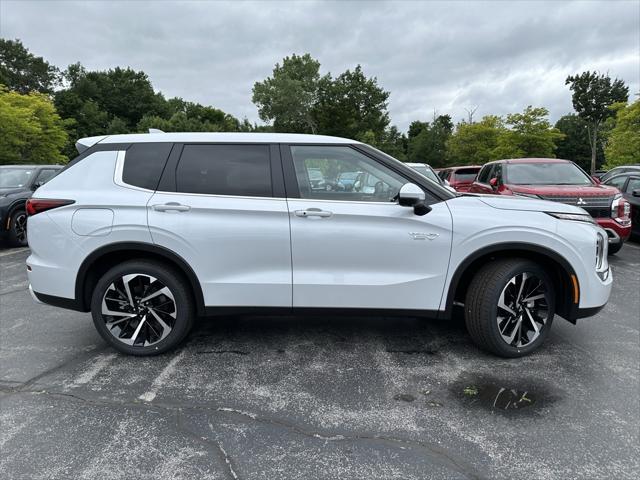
{"x": 508, "y": 202}
{"x": 9, "y": 190}
{"x": 565, "y": 190}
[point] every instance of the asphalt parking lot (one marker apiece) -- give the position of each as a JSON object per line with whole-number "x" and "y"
{"x": 321, "y": 397}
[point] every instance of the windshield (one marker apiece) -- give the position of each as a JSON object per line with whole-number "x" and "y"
{"x": 556, "y": 173}
{"x": 427, "y": 172}
{"x": 15, "y": 177}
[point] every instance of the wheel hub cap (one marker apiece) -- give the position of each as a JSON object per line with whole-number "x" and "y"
{"x": 138, "y": 310}
{"x": 523, "y": 309}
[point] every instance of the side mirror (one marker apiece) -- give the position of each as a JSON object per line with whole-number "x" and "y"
{"x": 493, "y": 182}
{"x": 411, "y": 195}
{"x": 636, "y": 192}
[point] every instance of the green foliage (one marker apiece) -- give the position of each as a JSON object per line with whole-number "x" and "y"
{"x": 575, "y": 144}
{"x": 592, "y": 95}
{"x": 474, "y": 143}
{"x": 298, "y": 100}
{"x": 24, "y": 72}
{"x": 529, "y": 134}
{"x": 351, "y": 105}
{"x": 623, "y": 146}
{"x": 30, "y": 129}
{"x": 122, "y": 93}
{"x": 428, "y": 143}
{"x": 289, "y": 96}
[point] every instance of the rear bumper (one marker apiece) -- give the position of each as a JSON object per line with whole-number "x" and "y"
{"x": 61, "y": 302}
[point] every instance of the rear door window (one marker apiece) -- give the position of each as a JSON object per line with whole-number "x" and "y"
{"x": 240, "y": 170}
{"x": 143, "y": 164}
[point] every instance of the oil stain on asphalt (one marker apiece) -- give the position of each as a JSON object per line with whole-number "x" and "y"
{"x": 504, "y": 396}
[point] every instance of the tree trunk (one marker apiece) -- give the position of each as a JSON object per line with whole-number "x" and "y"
{"x": 593, "y": 140}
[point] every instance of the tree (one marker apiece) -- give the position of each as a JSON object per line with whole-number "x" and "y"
{"x": 623, "y": 146}
{"x": 575, "y": 144}
{"x": 592, "y": 95}
{"x": 429, "y": 144}
{"x": 30, "y": 129}
{"x": 24, "y": 72}
{"x": 474, "y": 143}
{"x": 529, "y": 134}
{"x": 297, "y": 99}
{"x": 351, "y": 105}
{"x": 289, "y": 96}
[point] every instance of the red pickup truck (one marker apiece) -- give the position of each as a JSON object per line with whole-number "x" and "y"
{"x": 559, "y": 181}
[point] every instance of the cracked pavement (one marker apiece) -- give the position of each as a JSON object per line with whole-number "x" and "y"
{"x": 252, "y": 397}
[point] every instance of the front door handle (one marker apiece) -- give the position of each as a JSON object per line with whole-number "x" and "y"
{"x": 313, "y": 212}
{"x": 172, "y": 207}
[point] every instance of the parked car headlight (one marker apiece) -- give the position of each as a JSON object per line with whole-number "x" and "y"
{"x": 576, "y": 217}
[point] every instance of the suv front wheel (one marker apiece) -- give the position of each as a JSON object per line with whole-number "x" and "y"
{"x": 509, "y": 307}
{"x": 142, "y": 308}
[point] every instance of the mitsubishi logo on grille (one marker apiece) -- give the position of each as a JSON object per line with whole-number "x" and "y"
{"x": 581, "y": 202}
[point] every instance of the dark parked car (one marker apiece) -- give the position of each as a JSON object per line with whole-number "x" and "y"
{"x": 17, "y": 183}
{"x": 629, "y": 185}
{"x": 618, "y": 170}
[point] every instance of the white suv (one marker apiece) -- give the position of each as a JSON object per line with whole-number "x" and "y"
{"x": 147, "y": 231}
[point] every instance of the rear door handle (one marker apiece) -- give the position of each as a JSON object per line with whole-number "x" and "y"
{"x": 313, "y": 212}
{"x": 171, "y": 207}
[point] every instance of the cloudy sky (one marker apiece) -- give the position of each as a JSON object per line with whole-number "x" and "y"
{"x": 448, "y": 56}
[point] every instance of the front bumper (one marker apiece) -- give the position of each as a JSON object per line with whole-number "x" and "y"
{"x": 615, "y": 232}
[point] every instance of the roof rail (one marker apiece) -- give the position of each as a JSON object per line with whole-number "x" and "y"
{"x": 155, "y": 130}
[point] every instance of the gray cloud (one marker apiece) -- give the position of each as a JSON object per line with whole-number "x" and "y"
{"x": 446, "y": 56}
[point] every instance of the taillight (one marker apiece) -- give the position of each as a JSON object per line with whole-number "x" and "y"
{"x": 39, "y": 205}
{"x": 621, "y": 210}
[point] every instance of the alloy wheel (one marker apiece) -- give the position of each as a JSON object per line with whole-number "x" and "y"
{"x": 523, "y": 309}
{"x": 20, "y": 227}
{"x": 138, "y": 310}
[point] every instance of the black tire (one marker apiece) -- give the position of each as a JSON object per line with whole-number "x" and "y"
{"x": 615, "y": 248}
{"x": 17, "y": 234}
{"x": 183, "y": 307}
{"x": 481, "y": 306}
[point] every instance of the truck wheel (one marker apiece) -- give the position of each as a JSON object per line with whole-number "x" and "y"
{"x": 17, "y": 234}
{"x": 142, "y": 307}
{"x": 509, "y": 307}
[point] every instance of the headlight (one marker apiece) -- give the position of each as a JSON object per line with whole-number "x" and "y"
{"x": 528, "y": 195}
{"x": 576, "y": 217}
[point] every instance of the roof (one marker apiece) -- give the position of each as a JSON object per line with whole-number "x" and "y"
{"x": 461, "y": 167}
{"x": 531, "y": 160}
{"x": 213, "y": 137}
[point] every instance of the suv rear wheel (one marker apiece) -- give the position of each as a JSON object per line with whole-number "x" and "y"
{"x": 142, "y": 308}
{"x": 509, "y": 307}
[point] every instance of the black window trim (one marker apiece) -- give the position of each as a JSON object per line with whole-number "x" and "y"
{"x": 410, "y": 175}
{"x": 168, "y": 179}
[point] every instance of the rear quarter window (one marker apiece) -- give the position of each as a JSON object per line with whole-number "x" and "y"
{"x": 143, "y": 164}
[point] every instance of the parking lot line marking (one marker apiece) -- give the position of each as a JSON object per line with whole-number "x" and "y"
{"x": 13, "y": 252}
{"x": 98, "y": 365}
{"x": 161, "y": 379}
